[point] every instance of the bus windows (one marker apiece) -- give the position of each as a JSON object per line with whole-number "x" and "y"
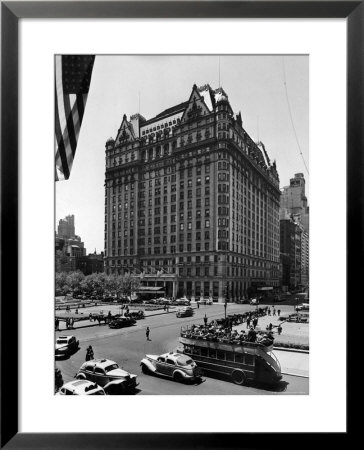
{"x": 212, "y": 353}
{"x": 220, "y": 354}
{"x": 249, "y": 359}
{"x": 229, "y": 356}
{"x": 196, "y": 351}
{"x": 204, "y": 351}
{"x": 239, "y": 358}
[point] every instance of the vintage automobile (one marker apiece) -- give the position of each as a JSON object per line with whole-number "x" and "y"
{"x": 109, "y": 375}
{"x": 182, "y": 301}
{"x": 121, "y": 322}
{"x": 303, "y": 307}
{"x": 66, "y": 345}
{"x": 205, "y": 301}
{"x": 164, "y": 301}
{"x": 186, "y": 311}
{"x": 137, "y": 315}
{"x": 173, "y": 365}
{"x": 81, "y": 387}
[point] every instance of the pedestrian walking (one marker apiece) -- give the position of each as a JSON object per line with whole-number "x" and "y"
{"x": 255, "y": 322}
{"x": 279, "y": 312}
{"x": 89, "y": 353}
{"x": 147, "y": 332}
{"x": 274, "y": 311}
{"x": 205, "y": 320}
{"x": 248, "y": 322}
{"x": 268, "y": 311}
{"x": 198, "y": 305}
{"x": 279, "y": 329}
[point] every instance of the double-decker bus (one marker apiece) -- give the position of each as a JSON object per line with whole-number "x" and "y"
{"x": 240, "y": 361}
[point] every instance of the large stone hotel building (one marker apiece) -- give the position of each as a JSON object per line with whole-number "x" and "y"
{"x": 191, "y": 202}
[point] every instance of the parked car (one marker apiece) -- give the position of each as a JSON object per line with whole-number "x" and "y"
{"x": 121, "y": 322}
{"x": 81, "y": 387}
{"x": 109, "y": 375}
{"x": 66, "y": 345}
{"x": 253, "y": 301}
{"x": 205, "y": 301}
{"x": 182, "y": 301}
{"x": 187, "y": 311}
{"x": 242, "y": 301}
{"x": 303, "y": 307}
{"x": 173, "y": 365}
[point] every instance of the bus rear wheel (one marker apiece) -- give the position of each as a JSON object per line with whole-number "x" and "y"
{"x": 238, "y": 377}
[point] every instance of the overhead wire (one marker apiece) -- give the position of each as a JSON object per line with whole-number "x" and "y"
{"x": 290, "y": 114}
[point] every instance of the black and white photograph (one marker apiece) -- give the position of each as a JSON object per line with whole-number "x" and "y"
{"x": 182, "y": 194}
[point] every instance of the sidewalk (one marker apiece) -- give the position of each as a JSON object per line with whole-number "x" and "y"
{"x": 96, "y": 309}
{"x": 293, "y": 363}
{"x": 292, "y": 332}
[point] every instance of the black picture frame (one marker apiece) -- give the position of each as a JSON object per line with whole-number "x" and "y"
{"x": 11, "y": 12}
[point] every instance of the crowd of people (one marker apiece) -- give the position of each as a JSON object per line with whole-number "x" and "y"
{"x": 220, "y": 330}
{"x": 219, "y": 333}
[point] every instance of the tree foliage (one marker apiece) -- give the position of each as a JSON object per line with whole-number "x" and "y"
{"x": 97, "y": 283}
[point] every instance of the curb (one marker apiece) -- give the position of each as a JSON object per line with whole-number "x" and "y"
{"x": 294, "y": 375}
{"x": 293, "y": 350}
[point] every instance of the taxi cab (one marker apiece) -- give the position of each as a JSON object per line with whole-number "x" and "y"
{"x": 109, "y": 375}
{"x": 172, "y": 365}
{"x": 81, "y": 387}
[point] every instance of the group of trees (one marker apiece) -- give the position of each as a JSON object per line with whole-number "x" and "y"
{"x": 96, "y": 283}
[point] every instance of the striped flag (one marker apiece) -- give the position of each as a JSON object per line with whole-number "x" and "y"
{"x": 73, "y": 77}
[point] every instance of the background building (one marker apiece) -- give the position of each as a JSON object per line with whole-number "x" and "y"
{"x": 92, "y": 263}
{"x": 69, "y": 247}
{"x": 66, "y": 227}
{"x": 294, "y": 200}
{"x": 294, "y": 247}
{"x": 294, "y": 222}
{"x": 191, "y": 202}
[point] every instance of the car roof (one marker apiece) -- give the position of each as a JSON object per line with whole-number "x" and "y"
{"x": 81, "y": 385}
{"x": 102, "y": 362}
{"x": 65, "y": 337}
{"x": 171, "y": 355}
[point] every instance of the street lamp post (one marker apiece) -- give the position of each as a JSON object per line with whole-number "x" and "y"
{"x": 225, "y": 306}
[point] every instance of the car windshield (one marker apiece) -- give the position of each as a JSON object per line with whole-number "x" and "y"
{"x": 184, "y": 361}
{"x": 111, "y": 367}
{"x": 61, "y": 341}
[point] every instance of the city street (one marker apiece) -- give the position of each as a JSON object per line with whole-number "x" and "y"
{"x": 127, "y": 346}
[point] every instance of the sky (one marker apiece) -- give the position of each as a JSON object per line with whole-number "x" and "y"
{"x": 151, "y": 83}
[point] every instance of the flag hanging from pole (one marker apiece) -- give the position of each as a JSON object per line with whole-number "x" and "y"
{"x": 73, "y": 77}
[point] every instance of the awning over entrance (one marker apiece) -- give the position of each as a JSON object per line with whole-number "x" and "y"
{"x": 266, "y": 288}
